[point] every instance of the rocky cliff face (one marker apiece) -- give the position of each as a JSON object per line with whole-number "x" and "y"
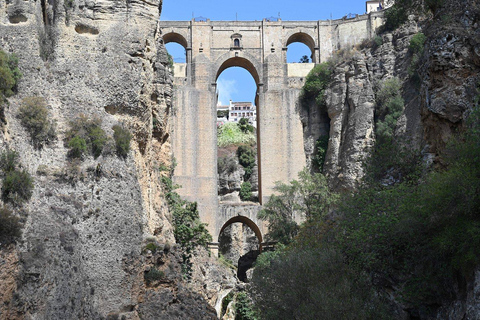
{"x": 438, "y": 95}
{"x": 435, "y": 103}
{"x": 82, "y": 253}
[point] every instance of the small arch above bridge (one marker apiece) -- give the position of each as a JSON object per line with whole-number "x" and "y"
{"x": 242, "y": 219}
{"x": 175, "y": 37}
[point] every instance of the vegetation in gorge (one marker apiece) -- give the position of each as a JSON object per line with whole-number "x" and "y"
{"x": 122, "y": 139}
{"x": 231, "y": 133}
{"x": 246, "y": 158}
{"x": 189, "y": 232}
{"x": 17, "y": 184}
{"x": 316, "y": 83}
{"x": 34, "y": 116}
{"x": 86, "y": 136}
{"x": 418, "y": 235}
{"x": 9, "y": 75}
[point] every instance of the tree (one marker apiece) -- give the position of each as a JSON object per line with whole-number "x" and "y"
{"x": 304, "y": 59}
{"x": 309, "y": 196}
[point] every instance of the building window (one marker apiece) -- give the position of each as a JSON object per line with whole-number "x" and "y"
{"x": 236, "y": 43}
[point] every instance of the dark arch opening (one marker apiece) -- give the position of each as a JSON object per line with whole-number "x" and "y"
{"x": 240, "y": 241}
{"x": 252, "y": 225}
{"x": 304, "y": 39}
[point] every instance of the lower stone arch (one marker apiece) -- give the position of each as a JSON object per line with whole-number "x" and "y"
{"x": 252, "y": 225}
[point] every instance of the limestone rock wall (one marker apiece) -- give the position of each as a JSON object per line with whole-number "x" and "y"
{"x": 82, "y": 253}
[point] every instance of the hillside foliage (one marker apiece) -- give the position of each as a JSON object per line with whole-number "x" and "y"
{"x": 418, "y": 232}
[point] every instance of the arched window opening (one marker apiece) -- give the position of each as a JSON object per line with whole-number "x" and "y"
{"x": 236, "y": 43}
{"x": 300, "y": 48}
{"x": 177, "y": 52}
{"x": 237, "y": 151}
{"x": 298, "y": 52}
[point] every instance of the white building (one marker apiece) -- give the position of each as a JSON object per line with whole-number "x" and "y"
{"x": 239, "y": 110}
{"x": 372, "y": 6}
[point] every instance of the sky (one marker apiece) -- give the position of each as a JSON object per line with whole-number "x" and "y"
{"x": 236, "y": 83}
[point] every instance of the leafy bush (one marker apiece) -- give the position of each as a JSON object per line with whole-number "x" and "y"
{"x": 378, "y": 41}
{"x": 231, "y": 134}
{"x": 243, "y": 307}
{"x": 395, "y": 16}
{"x": 153, "y": 275}
{"x": 246, "y": 158}
{"x": 8, "y": 161}
{"x": 189, "y": 231}
{"x": 87, "y": 135}
{"x": 321, "y": 146}
{"x": 34, "y": 116}
{"x": 227, "y": 164}
{"x": 245, "y": 126}
{"x": 317, "y": 82}
{"x": 77, "y": 146}
{"x": 417, "y": 42}
{"x": 245, "y": 191}
{"x": 390, "y": 106}
{"x": 9, "y": 74}
{"x": 122, "y": 140}
{"x": 303, "y": 284}
{"x": 152, "y": 247}
{"x": 17, "y": 187}
{"x": 309, "y": 196}
{"x": 10, "y": 227}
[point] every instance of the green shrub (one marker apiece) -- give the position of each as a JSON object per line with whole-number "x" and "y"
{"x": 34, "y": 116}
{"x": 305, "y": 283}
{"x": 226, "y": 301}
{"x": 189, "y": 231}
{"x": 122, "y": 140}
{"x": 417, "y": 43}
{"x": 153, "y": 275}
{"x": 8, "y": 161}
{"x": 90, "y": 131}
{"x": 231, "y": 134}
{"x": 245, "y": 191}
{"x": 17, "y": 187}
{"x": 396, "y": 15}
{"x": 244, "y": 307}
{"x": 9, "y": 74}
{"x": 77, "y": 146}
{"x": 317, "y": 82}
{"x": 378, "y": 41}
{"x": 152, "y": 247}
{"x": 227, "y": 164}
{"x": 10, "y": 227}
{"x": 246, "y": 158}
{"x": 321, "y": 146}
{"x": 309, "y": 196}
{"x": 245, "y": 127}
{"x": 390, "y": 106}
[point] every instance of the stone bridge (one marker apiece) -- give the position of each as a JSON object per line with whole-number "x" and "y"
{"x": 260, "y": 47}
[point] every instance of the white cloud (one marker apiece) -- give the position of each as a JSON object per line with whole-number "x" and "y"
{"x": 225, "y": 90}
